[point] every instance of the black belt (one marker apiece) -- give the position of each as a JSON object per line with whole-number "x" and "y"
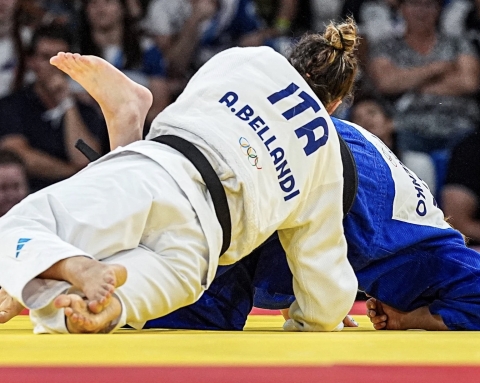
{"x": 214, "y": 186}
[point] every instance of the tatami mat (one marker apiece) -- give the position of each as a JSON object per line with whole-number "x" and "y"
{"x": 261, "y": 353}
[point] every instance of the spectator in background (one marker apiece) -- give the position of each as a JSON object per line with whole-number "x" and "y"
{"x": 432, "y": 79}
{"x": 42, "y": 122}
{"x": 190, "y": 32}
{"x": 376, "y": 116}
{"x": 13, "y": 180}
{"x": 461, "y": 19}
{"x": 377, "y": 19}
{"x": 110, "y": 32}
{"x": 461, "y": 193}
{"x": 137, "y": 9}
{"x": 12, "y": 39}
{"x": 279, "y": 16}
{"x": 372, "y": 114}
{"x": 284, "y": 20}
{"x": 46, "y": 12}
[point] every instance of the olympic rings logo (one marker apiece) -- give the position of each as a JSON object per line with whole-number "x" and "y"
{"x": 250, "y": 152}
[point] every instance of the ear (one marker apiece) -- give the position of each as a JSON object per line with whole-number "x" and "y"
{"x": 333, "y": 106}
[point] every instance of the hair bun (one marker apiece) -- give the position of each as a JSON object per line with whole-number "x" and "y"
{"x": 342, "y": 36}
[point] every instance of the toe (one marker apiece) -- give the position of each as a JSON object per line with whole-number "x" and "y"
{"x": 62, "y": 301}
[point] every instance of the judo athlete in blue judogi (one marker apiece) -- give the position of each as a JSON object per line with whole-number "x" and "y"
{"x": 402, "y": 251}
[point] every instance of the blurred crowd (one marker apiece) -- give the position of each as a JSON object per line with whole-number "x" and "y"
{"x": 418, "y": 89}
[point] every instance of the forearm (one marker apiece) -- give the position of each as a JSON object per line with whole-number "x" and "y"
{"x": 44, "y": 166}
{"x": 456, "y": 84}
{"x": 285, "y": 16}
{"x": 390, "y": 79}
{"x": 161, "y": 99}
{"x": 181, "y": 52}
{"x": 40, "y": 164}
{"x": 74, "y": 130}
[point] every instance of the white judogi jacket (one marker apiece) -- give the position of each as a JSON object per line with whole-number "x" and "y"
{"x": 277, "y": 154}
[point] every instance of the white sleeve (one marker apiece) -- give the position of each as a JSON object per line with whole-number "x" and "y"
{"x": 324, "y": 283}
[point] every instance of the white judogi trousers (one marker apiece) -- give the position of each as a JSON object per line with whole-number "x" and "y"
{"x": 127, "y": 210}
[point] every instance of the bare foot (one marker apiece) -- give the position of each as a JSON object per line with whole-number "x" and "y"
{"x": 79, "y": 318}
{"x": 9, "y": 307}
{"x": 97, "y": 280}
{"x": 124, "y": 103}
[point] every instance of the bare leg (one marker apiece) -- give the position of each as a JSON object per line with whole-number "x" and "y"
{"x": 96, "y": 279}
{"x": 124, "y": 103}
{"x": 80, "y": 319}
{"x": 385, "y": 317}
{"x": 9, "y": 307}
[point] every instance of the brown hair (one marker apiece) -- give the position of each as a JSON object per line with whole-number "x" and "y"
{"x": 327, "y": 61}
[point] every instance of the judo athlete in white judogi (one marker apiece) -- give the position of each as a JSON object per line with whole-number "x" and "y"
{"x": 145, "y": 206}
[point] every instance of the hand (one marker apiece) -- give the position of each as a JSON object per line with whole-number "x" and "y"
{"x": 289, "y": 325}
{"x": 384, "y": 317}
{"x": 349, "y": 322}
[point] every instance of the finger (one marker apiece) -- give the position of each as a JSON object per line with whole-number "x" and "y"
{"x": 380, "y": 326}
{"x": 371, "y": 313}
{"x": 379, "y": 308}
{"x": 378, "y": 319}
{"x": 371, "y": 303}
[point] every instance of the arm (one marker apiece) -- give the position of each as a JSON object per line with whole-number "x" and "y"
{"x": 324, "y": 283}
{"x": 464, "y": 79}
{"x": 161, "y": 97}
{"x": 461, "y": 205}
{"x": 179, "y": 50}
{"x": 284, "y": 17}
{"x": 37, "y": 162}
{"x": 391, "y": 79}
{"x": 75, "y": 129}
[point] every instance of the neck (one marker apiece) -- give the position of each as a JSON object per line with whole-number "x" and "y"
{"x": 421, "y": 40}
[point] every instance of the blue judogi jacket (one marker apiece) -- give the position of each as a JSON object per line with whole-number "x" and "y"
{"x": 402, "y": 251}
